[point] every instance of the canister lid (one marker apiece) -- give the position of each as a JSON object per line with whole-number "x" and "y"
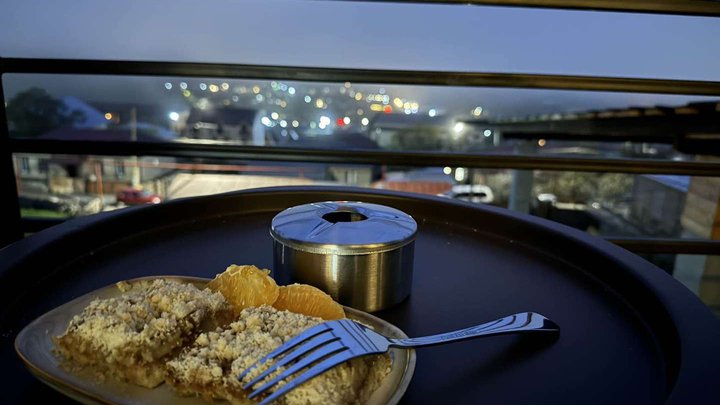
{"x": 343, "y": 228}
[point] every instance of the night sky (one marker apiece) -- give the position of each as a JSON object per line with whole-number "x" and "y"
{"x": 371, "y": 35}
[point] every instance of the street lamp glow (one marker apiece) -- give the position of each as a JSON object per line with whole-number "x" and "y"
{"x": 477, "y": 111}
{"x": 365, "y": 121}
{"x": 459, "y": 127}
{"x": 174, "y": 116}
{"x": 346, "y": 120}
{"x": 487, "y": 133}
{"x": 324, "y": 120}
{"x": 274, "y": 115}
{"x": 291, "y": 90}
{"x": 308, "y": 99}
{"x": 168, "y": 85}
{"x": 432, "y": 112}
{"x": 295, "y": 123}
{"x": 283, "y": 123}
{"x": 108, "y": 116}
{"x": 266, "y": 121}
{"x": 447, "y": 170}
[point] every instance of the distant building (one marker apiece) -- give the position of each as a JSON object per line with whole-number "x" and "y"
{"x": 657, "y": 204}
{"x": 231, "y": 124}
{"x": 411, "y": 132}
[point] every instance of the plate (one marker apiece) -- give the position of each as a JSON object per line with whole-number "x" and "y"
{"x": 35, "y": 347}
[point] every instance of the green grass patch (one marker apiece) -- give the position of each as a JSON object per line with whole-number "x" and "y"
{"x": 37, "y": 213}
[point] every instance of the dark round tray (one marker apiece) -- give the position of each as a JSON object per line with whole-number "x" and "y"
{"x": 630, "y": 333}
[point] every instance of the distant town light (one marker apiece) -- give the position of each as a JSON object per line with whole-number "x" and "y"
{"x": 283, "y": 103}
{"x": 541, "y": 143}
{"x": 459, "y": 127}
{"x": 432, "y": 112}
{"x": 307, "y": 99}
{"x": 358, "y": 96}
{"x": 321, "y": 125}
{"x": 225, "y": 86}
{"x": 214, "y": 88}
{"x": 447, "y": 169}
{"x": 477, "y": 111}
{"x": 387, "y": 109}
{"x": 360, "y": 111}
{"x": 487, "y": 133}
{"x": 235, "y": 98}
{"x": 256, "y": 89}
{"x": 459, "y": 174}
{"x": 382, "y": 90}
{"x": 203, "y": 86}
{"x": 174, "y": 116}
{"x": 266, "y": 121}
{"x": 346, "y": 120}
{"x": 398, "y": 102}
{"x": 183, "y": 85}
{"x": 347, "y": 85}
{"x": 291, "y": 90}
{"x": 365, "y": 121}
{"x": 376, "y": 107}
{"x": 295, "y": 124}
{"x": 324, "y": 120}
{"x": 108, "y": 116}
{"x": 340, "y": 122}
{"x": 275, "y": 115}
{"x": 259, "y": 97}
{"x": 187, "y": 93}
{"x": 313, "y": 125}
{"x": 319, "y": 103}
{"x": 168, "y": 85}
{"x": 283, "y": 123}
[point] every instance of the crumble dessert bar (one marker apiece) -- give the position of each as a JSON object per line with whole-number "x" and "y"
{"x": 131, "y": 336}
{"x": 210, "y": 366}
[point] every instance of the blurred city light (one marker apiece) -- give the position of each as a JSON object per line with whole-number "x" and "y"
{"x": 174, "y": 116}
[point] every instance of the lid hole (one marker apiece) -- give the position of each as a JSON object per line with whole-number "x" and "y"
{"x": 343, "y": 216}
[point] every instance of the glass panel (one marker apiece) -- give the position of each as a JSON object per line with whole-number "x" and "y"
{"x": 359, "y": 116}
{"x": 700, "y": 274}
{"x": 606, "y": 204}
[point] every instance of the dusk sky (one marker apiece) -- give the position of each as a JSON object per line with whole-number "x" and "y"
{"x": 369, "y": 35}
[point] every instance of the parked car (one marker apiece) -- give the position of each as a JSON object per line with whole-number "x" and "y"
{"x": 134, "y": 196}
{"x": 477, "y": 193}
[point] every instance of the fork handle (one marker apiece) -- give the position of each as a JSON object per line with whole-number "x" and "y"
{"x": 524, "y": 322}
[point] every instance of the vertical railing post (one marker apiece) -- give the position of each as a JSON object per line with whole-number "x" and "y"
{"x": 10, "y": 222}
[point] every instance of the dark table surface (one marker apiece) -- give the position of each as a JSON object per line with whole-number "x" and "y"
{"x": 630, "y": 333}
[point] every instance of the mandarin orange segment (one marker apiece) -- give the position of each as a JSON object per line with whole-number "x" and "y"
{"x": 308, "y": 300}
{"x": 245, "y": 286}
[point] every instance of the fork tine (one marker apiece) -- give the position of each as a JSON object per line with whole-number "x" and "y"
{"x": 309, "y": 345}
{"x": 319, "y": 368}
{"x": 313, "y": 357}
{"x": 308, "y": 334}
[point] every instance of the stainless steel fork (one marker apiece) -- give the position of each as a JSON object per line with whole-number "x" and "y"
{"x": 328, "y": 344}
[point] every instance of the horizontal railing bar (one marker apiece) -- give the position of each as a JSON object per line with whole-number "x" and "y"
{"x": 637, "y": 245}
{"x": 670, "y": 246}
{"x": 436, "y": 78}
{"x": 681, "y": 7}
{"x": 372, "y": 157}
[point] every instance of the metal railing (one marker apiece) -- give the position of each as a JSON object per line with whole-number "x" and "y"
{"x": 14, "y": 227}
{"x": 679, "y": 7}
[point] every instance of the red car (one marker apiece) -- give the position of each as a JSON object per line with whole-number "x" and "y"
{"x": 133, "y": 196}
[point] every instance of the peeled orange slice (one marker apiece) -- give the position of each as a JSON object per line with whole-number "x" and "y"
{"x": 245, "y": 286}
{"x": 308, "y": 300}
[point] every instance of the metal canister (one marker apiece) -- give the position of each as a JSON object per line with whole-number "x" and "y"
{"x": 359, "y": 253}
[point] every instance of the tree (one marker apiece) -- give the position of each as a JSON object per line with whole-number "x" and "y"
{"x": 34, "y": 112}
